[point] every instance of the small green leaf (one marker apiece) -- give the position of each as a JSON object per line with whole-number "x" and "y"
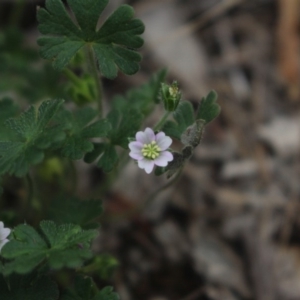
{"x": 208, "y": 108}
{"x": 32, "y": 135}
{"x": 112, "y": 44}
{"x": 109, "y": 158}
{"x": 61, "y": 246}
{"x": 84, "y": 290}
{"x": 107, "y": 294}
{"x": 102, "y": 264}
{"x": 184, "y": 117}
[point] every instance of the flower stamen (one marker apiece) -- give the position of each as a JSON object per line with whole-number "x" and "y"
{"x": 151, "y": 151}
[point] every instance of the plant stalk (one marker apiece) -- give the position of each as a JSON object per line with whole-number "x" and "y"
{"x": 93, "y": 69}
{"x": 162, "y": 121}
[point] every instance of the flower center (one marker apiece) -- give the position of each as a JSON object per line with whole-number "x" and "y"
{"x": 151, "y": 151}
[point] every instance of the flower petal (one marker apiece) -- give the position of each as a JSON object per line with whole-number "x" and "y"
{"x": 163, "y": 159}
{"x": 150, "y": 135}
{"x": 4, "y": 233}
{"x": 141, "y": 137}
{"x": 146, "y": 164}
{"x": 163, "y": 141}
{"x": 136, "y": 155}
{"x": 2, "y": 243}
{"x": 135, "y": 146}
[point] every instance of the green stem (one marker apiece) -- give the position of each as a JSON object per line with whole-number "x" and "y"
{"x": 162, "y": 121}
{"x": 93, "y": 69}
{"x": 71, "y": 75}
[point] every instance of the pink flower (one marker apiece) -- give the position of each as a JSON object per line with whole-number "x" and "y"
{"x": 150, "y": 149}
{"x": 4, "y": 233}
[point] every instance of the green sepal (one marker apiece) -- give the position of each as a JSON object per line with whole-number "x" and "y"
{"x": 170, "y": 95}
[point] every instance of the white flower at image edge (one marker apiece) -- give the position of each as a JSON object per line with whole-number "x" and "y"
{"x": 4, "y": 233}
{"x": 150, "y": 149}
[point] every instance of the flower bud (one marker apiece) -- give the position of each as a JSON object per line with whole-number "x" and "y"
{"x": 82, "y": 92}
{"x": 170, "y": 95}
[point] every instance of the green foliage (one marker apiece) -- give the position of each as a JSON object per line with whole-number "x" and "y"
{"x": 124, "y": 124}
{"x": 21, "y": 74}
{"x": 184, "y": 117}
{"x": 74, "y": 210}
{"x": 84, "y": 290}
{"x": 103, "y": 264}
{"x": 208, "y": 108}
{"x": 28, "y": 287}
{"x": 143, "y": 97}
{"x": 8, "y": 109}
{"x": 112, "y": 43}
{"x": 82, "y": 90}
{"x": 32, "y": 133}
{"x": 79, "y": 130}
{"x": 60, "y": 246}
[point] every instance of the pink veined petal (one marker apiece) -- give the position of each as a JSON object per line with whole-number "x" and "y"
{"x": 150, "y": 135}
{"x": 136, "y": 155}
{"x": 163, "y": 159}
{"x": 135, "y": 146}
{"x": 146, "y": 164}
{"x": 4, "y": 233}
{"x": 163, "y": 142}
{"x": 141, "y": 137}
{"x": 1, "y": 225}
{"x": 2, "y": 243}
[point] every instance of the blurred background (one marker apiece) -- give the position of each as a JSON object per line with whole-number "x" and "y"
{"x": 230, "y": 228}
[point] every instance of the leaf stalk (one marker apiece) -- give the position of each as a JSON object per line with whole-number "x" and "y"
{"x": 94, "y": 71}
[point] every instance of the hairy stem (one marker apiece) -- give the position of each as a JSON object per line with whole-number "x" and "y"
{"x": 93, "y": 69}
{"x": 162, "y": 121}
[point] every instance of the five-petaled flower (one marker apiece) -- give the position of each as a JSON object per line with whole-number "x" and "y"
{"x": 150, "y": 149}
{"x": 4, "y": 233}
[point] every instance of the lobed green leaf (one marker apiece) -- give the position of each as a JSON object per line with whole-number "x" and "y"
{"x": 60, "y": 246}
{"x": 208, "y": 108}
{"x": 32, "y": 134}
{"x": 184, "y": 117}
{"x": 112, "y": 44}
